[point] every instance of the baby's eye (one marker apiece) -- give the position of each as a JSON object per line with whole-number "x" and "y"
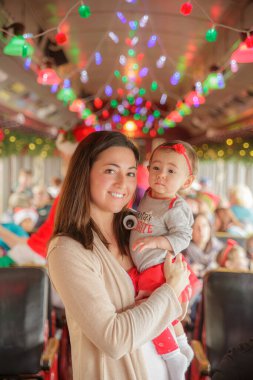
{"x": 155, "y": 168}
{"x": 171, "y": 171}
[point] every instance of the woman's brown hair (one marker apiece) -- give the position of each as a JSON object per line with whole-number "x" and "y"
{"x": 73, "y": 212}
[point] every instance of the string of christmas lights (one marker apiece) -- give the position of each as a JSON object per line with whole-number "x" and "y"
{"x": 186, "y": 9}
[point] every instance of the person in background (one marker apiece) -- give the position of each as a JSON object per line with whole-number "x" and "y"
{"x": 24, "y": 185}
{"x": 241, "y": 201}
{"x": 193, "y": 203}
{"x": 5, "y": 260}
{"x": 42, "y": 203}
{"x": 233, "y": 257}
{"x": 34, "y": 249}
{"x": 88, "y": 261}
{"x": 55, "y": 187}
{"x": 204, "y": 246}
{"x": 225, "y": 221}
{"x": 164, "y": 222}
{"x": 249, "y": 250}
{"x": 26, "y": 218}
{"x": 16, "y": 201}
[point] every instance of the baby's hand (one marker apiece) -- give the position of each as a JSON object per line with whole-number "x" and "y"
{"x": 143, "y": 243}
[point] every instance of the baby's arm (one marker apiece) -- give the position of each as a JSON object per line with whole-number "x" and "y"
{"x": 152, "y": 242}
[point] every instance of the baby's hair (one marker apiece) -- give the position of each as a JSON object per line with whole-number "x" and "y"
{"x": 191, "y": 154}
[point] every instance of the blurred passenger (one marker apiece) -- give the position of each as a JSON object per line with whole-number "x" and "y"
{"x": 16, "y": 201}
{"x": 233, "y": 257}
{"x": 26, "y": 218}
{"x": 249, "y": 250}
{"x": 193, "y": 203}
{"x": 225, "y": 221}
{"x": 41, "y": 202}
{"x": 17, "y": 230}
{"x": 204, "y": 246}
{"x": 55, "y": 187}
{"x": 241, "y": 200}
{"x": 24, "y": 185}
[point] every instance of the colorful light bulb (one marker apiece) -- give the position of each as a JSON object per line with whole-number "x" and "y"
{"x": 121, "y": 17}
{"x": 152, "y": 41}
{"x": 108, "y": 90}
{"x": 98, "y": 58}
{"x": 143, "y": 21}
{"x": 114, "y": 37}
{"x": 84, "y": 11}
{"x": 233, "y": 66}
{"x": 175, "y": 78}
{"x": 211, "y": 35}
{"x": 60, "y": 38}
{"x": 186, "y": 8}
{"x": 154, "y": 86}
{"x": 143, "y": 72}
{"x": 249, "y": 41}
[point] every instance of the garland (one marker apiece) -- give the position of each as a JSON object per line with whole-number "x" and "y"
{"x": 18, "y": 143}
{"x": 231, "y": 149}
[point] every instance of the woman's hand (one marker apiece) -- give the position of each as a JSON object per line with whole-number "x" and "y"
{"x": 176, "y": 273}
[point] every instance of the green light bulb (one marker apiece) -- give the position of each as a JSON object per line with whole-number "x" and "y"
{"x": 211, "y": 35}
{"x": 84, "y": 11}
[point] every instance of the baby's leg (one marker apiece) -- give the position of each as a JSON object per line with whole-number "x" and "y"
{"x": 175, "y": 361}
{"x": 182, "y": 342}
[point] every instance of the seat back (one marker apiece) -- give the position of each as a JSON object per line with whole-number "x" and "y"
{"x": 23, "y": 316}
{"x": 228, "y": 312}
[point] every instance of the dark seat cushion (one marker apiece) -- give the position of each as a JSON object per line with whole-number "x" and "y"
{"x": 228, "y": 312}
{"x": 23, "y": 316}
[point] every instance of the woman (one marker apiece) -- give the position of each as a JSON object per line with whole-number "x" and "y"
{"x": 204, "y": 247}
{"x": 88, "y": 262}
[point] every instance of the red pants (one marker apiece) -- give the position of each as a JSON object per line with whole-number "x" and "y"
{"x": 151, "y": 279}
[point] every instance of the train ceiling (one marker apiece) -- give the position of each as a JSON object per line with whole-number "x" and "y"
{"x": 144, "y": 61}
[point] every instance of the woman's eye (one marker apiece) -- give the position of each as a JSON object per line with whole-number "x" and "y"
{"x": 109, "y": 171}
{"x": 132, "y": 174}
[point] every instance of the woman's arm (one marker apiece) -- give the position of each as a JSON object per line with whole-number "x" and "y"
{"x": 10, "y": 238}
{"x": 82, "y": 290}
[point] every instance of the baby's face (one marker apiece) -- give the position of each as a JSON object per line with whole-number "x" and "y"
{"x": 168, "y": 172}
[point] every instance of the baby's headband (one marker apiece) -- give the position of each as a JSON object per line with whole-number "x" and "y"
{"x": 179, "y": 148}
{"x": 230, "y": 244}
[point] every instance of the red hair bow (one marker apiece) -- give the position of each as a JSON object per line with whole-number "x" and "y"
{"x": 230, "y": 244}
{"x": 179, "y": 148}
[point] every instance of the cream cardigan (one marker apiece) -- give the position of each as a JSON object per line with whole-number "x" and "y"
{"x": 106, "y": 331}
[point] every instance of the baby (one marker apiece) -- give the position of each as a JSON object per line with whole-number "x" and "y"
{"x": 164, "y": 222}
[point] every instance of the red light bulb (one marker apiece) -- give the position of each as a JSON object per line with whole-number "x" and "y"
{"x": 60, "y": 38}
{"x": 186, "y": 8}
{"x": 105, "y": 114}
{"x": 249, "y": 41}
{"x": 98, "y": 103}
{"x": 152, "y": 133}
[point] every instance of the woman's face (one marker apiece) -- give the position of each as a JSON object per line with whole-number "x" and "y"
{"x": 112, "y": 180}
{"x": 201, "y": 231}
